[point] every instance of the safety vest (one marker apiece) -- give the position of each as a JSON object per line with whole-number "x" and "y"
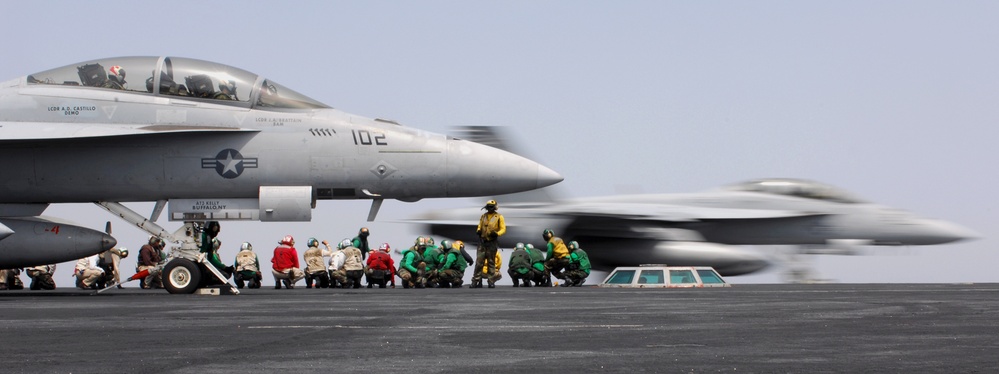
{"x": 379, "y": 261}
{"x": 559, "y": 248}
{"x": 431, "y": 256}
{"x": 416, "y": 259}
{"x": 579, "y": 256}
{"x": 458, "y": 263}
{"x": 314, "y": 260}
{"x": 246, "y": 261}
{"x": 353, "y": 260}
{"x": 520, "y": 261}
{"x": 491, "y": 222}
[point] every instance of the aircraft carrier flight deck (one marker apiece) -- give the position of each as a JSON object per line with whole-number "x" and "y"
{"x": 746, "y": 328}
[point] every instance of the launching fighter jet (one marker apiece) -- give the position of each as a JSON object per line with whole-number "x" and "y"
{"x": 697, "y": 229}
{"x": 217, "y": 143}
{"x": 703, "y": 228}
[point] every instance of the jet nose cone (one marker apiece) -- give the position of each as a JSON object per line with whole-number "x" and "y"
{"x": 946, "y": 232}
{"x": 548, "y": 177}
{"x": 475, "y": 169}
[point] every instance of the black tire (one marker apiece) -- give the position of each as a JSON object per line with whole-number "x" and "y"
{"x": 181, "y": 276}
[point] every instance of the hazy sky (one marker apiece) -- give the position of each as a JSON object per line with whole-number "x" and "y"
{"x": 895, "y": 101}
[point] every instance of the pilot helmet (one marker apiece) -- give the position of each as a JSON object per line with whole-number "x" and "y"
{"x": 312, "y": 242}
{"x": 117, "y": 74}
{"x": 287, "y": 240}
{"x": 228, "y": 86}
{"x": 519, "y": 246}
{"x": 246, "y": 246}
{"x": 345, "y": 243}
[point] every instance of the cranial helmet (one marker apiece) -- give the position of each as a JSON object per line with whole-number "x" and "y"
{"x": 385, "y": 247}
{"x": 312, "y": 242}
{"x": 458, "y": 244}
{"x": 363, "y": 232}
{"x": 430, "y": 240}
{"x": 246, "y": 246}
{"x": 548, "y": 234}
{"x": 421, "y": 241}
{"x": 287, "y": 240}
{"x": 216, "y": 243}
{"x": 445, "y": 245}
{"x": 520, "y": 246}
{"x": 529, "y": 246}
{"x": 490, "y": 204}
{"x": 123, "y": 251}
{"x": 345, "y": 243}
{"x": 573, "y": 245}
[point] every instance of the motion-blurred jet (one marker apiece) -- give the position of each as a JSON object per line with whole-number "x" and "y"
{"x": 214, "y": 141}
{"x": 703, "y": 228}
{"x": 697, "y": 228}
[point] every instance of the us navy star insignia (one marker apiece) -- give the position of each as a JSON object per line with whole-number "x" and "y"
{"x": 229, "y": 163}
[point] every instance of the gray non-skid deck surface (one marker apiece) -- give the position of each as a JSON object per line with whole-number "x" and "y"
{"x": 747, "y": 328}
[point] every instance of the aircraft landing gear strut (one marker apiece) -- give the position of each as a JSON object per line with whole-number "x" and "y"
{"x": 186, "y": 269}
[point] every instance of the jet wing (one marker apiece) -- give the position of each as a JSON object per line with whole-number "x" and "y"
{"x": 15, "y": 131}
{"x": 669, "y": 213}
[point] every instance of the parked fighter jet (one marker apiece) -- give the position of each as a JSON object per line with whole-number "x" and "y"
{"x": 217, "y": 143}
{"x": 702, "y": 228}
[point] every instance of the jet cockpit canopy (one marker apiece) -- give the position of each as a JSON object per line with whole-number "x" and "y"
{"x": 181, "y": 77}
{"x": 796, "y": 188}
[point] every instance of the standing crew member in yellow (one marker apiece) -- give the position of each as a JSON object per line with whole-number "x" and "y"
{"x": 491, "y": 227}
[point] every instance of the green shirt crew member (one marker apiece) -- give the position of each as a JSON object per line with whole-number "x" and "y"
{"x": 579, "y": 266}
{"x": 432, "y": 256}
{"x": 453, "y": 265}
{"x": 411, "y": 268}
